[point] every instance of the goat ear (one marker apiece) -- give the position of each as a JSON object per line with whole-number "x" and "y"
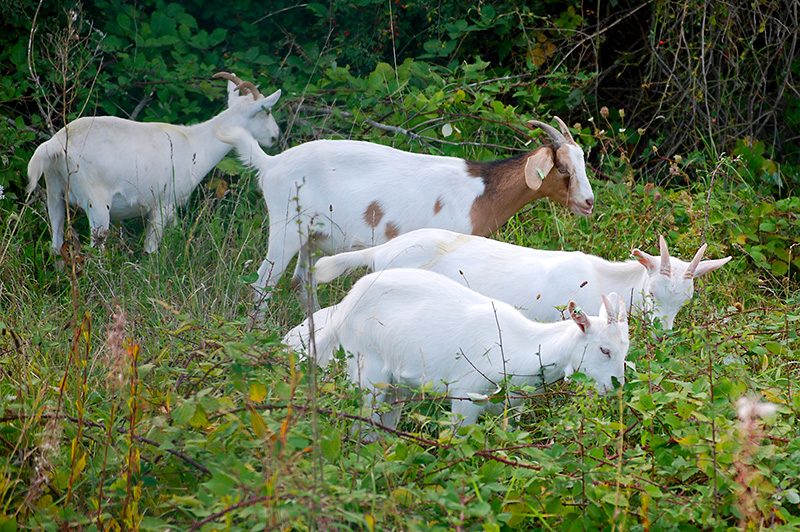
{"x": 272, "y": 99}
{"x": 709, "y": 266}
{"x": 264, "y": 104}
{"x": 232, "y": 93}
{"x": 579, "y": 316}
{"x": 645, "y": 259}
{"x": 538, "y": 166}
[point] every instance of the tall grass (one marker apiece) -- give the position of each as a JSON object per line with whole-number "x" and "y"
{"x": 161, "y": 404}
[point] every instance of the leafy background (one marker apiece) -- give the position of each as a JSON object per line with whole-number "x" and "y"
{"x": 137, "y": 393}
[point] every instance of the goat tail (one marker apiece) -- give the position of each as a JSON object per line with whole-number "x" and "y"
{"x": 247, "y": 147}
{"x": 299, "y": 338}
{"x": 41, "y": 161}
{"x": 329, "y": 268}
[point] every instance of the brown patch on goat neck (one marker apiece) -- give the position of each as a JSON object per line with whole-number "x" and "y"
{"x": 437, "y": 207}
{"x": 391, "y": 231}
{"x": 373, "y": 214}
{"x": 505, "y": 191}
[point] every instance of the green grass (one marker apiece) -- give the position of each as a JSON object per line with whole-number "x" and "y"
{"x": 141, "y": 395}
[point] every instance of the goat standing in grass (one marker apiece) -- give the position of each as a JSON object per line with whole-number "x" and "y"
{"x": 336, "y": 195}
{"x": 409, "y": 329}
{"x": 115, "y": 169}
{"x": 538, "y": 282}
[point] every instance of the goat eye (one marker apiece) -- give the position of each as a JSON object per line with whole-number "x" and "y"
{"x": 605, "y": 351}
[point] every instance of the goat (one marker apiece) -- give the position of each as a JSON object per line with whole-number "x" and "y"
{"x": 409, "y": 329}
{"x": 115, "y": 169}
{"x": 335, "y": 195}
{"x": 538, "y": 282}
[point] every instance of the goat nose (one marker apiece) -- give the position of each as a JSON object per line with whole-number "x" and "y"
{"x": 589, "y": 202}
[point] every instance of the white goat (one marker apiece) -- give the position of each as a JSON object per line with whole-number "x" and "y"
{"x": 410, "y": 329}
{"x": 115, "y": 169}
{"x": 335, "y": 195}
{"x": 538, "y": 282}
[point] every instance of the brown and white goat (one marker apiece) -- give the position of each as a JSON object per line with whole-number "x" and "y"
{"x": 337, "y": 195}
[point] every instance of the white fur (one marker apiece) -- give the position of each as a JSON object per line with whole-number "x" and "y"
{"x": 319, "y": 195}
{"x": 538, "y": 282}
{"x": 115, "y": 169}
{"x": 409, "y": 329}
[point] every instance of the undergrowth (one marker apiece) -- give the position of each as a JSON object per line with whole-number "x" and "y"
{"x": 159, "y": 403}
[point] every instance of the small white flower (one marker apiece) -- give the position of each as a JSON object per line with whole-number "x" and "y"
{"x": 751, "y": 408}
{"x": 2, "y": 196}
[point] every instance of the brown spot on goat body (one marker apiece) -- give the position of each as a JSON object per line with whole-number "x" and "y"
{"x": 506, "y": 191}
{"x": 391, "y": 231}
{"x": 437, "y": 207}
{"x": 373, "y": 214}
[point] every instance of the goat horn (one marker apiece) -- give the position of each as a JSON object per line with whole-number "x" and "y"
{"x": 229, "y": 76}
{"x": 557, "y": 138}
{"x": 622, "y": 315}
{"x": 689, "y": 274}
{"x": 666, "y": 268}
{"x": 246, "y": 87}
{"x": 564, "y": 129}
{"x": 611, "y": 313}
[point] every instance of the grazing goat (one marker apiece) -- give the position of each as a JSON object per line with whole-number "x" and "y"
{"x": 115, "y": 169}
{"x": 410, "y": 329}
{"x": 336, "y": 195}
{"x": 538, "y": 282}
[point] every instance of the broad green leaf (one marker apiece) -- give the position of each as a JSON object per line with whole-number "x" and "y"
{"x": 184, "y": 412}
{"x": 257, "y": 392}
{"x": 220, "y": 484}
{"x": 199, "y": 420}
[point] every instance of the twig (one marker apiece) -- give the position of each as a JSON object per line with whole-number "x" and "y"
{"x": 268, "y": 15}
{"x": 243, "y": 504}
{"x": 395, "y": 129}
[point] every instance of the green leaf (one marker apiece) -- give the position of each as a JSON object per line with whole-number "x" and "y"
{"x": 688, "y": 440}
{"x": 791, "y": 496}
{"x": 780, "y": 268}
{"x": 220, "y": 484}
{"x": 257, "y": 392}
{"x": 8, "y": 523}
{"x": 162, "y": 25}
{"x": 199, "y": 420}
{"x": 125, "y": 22}
{"x": 331, "y": 443}
{"x": 184, "y": 412}
{"x": 767, "y": 226}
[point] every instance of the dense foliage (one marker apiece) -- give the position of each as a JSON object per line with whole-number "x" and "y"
{"x": 136, "y": 392}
